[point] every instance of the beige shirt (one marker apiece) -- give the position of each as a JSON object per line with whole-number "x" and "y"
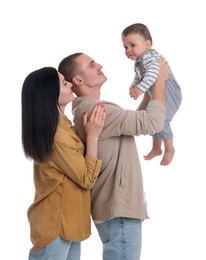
{"x": 119, "y": 191}
{"x": 62, "y": 190}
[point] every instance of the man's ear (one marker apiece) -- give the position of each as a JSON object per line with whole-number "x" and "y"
{"x": 77, "y": 80}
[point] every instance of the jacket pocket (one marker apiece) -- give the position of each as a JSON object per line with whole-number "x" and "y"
{"x": 123, "y": 177}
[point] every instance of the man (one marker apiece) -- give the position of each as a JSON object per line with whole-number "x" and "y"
{"x": 117, "y": 200}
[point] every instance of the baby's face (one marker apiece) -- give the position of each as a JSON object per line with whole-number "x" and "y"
{"x": 135, "y": 45}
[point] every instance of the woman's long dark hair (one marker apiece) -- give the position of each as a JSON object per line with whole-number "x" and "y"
{"x": 40, "y": 114}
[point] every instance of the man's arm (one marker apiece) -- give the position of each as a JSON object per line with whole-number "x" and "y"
{"x": 158, "y": 90}
{"x": 144, "y": 102}
{"x": 127, "y": 122}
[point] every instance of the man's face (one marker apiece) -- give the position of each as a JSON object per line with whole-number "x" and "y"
{"x": 92, "y": 74}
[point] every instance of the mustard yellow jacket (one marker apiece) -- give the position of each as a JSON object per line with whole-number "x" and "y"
{"x": 62, "y": 190}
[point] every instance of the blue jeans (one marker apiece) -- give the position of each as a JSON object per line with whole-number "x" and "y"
{"x": 121, "y": 238}
{"x": 58, "y": 249}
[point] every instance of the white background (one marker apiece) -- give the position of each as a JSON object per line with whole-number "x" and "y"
{"x": 40, "y": 33}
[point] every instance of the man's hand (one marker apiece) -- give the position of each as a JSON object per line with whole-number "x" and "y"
{"x": 164, "y": 69}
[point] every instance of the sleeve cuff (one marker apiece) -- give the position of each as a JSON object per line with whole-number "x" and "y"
{"x": 93, "y": 166}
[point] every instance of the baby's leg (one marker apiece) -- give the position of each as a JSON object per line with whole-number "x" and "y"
{"x": 169, "y": 152}
{"x": 156, "y": 149}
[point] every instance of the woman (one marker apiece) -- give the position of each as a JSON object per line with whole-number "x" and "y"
{"x": 60, "y": 215}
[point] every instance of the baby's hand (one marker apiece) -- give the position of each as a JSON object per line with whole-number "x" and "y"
{"x": 134, "y": 92}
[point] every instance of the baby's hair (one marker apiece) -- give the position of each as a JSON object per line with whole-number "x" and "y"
{"x": 139, "y": 28}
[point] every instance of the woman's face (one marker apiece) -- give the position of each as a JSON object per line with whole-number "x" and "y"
{"x": 65, "y": 93}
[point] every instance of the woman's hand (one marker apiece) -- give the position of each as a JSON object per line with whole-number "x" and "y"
{"x": 95, "y": 123}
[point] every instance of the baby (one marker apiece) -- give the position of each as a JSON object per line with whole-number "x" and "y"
{"x": 137, "y": 42}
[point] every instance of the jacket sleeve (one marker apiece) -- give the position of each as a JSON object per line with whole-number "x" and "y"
{"x": 70, "y": 161}
{"x": 125, "y": 122}
{"x": 151, "y": 73}
{"x": 133, "y": 123}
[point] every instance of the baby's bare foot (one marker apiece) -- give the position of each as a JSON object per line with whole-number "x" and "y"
{"x": 167, "y": 157}
{"x": 152, "y": 154}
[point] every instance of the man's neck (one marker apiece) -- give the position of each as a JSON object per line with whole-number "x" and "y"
{"x": 93, "y": 93}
